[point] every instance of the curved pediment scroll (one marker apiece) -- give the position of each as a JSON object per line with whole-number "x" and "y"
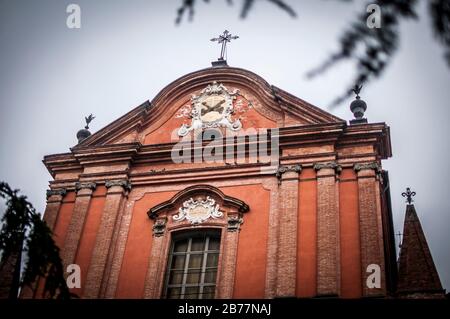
{"x": 198, "y": 203}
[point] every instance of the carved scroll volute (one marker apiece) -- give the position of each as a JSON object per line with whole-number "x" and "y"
{"x": 234, "y": 222}
{"x": 159, "y": 227}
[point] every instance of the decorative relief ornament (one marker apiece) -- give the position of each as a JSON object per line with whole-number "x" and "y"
{"x": 159, "y": 227}
{"x": 361, "y": 166}
{"x": 122, "y": 183}
{"x": 86, "y": 185}
{"x": 211, "y": 109}
{"x": 283, "y": 169}
{"x": 197, "y": 211}
{"x": 57, "y": 192}
{"x": 234, "y": 223}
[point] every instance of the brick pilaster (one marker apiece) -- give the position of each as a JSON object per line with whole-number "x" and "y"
{"x": 54, "y": 200}
{"x": 272, "y": 241}
{"x": 82, "y": 201}
{"x": 328, "y": 246}
{"x": 228, "y": 266}
{"x": 119, "y": 250}
{"x": 154, "y": 277}
{"x": 370, "y": 225}
{"x": 287, "y": 235}
{"x": 116, "y": 193}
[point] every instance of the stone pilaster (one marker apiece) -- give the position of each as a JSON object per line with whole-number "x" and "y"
{"x": 370, "y": 225}
{"x": 54, "y": 200}
{"x": 116, "y": 193}
{"x": 328, "y": 246}
{"x": 73, "y": 235}
{"x": 287, "y": 235}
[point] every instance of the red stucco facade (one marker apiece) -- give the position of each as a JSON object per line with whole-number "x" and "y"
{"x": 307, "y": 228}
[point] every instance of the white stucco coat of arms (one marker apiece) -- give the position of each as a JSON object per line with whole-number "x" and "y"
{"x": 211, "y": 109}
{"x": 197, "y": 211}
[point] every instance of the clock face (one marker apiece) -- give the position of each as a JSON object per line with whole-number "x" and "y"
{"x": 212, "y": 108}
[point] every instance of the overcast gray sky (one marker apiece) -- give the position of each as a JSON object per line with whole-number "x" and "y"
{"x": 127, "y": 51}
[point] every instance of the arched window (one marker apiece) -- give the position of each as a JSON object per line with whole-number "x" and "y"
{"x": 192, "y": 265}
{"x": 189, "y": 232}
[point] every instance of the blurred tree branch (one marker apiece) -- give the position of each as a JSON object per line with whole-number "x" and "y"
{"x": 371, "y": 49}
{"x": 188, "y": 7}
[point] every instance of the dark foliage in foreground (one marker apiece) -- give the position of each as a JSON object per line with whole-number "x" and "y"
{"x": 23, "y": 231}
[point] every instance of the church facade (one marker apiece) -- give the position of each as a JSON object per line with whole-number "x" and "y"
{"x": 224, "y": 186}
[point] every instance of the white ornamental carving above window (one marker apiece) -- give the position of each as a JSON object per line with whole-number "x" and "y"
{"x": 197, "y": 211}
{"x": 211, "y": 109}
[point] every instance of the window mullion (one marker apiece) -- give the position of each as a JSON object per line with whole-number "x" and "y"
{"x": 202, "y": 275}
{"x": 186, "y": 265}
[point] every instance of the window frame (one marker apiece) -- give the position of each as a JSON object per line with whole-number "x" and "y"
{"x": 207, "y": 234}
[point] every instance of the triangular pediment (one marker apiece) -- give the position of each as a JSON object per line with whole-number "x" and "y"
{"x": 219, "y": 96}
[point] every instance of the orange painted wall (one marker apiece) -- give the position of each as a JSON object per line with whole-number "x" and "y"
{"x": 63, "y": 220}
{"x": 88, "y": 236}
{"x": 252, "y": 247}
{"x": 307, "y": 235}
{"x": 163, "y": 134}
{"x": 350, "y": 240}
{"x": 137, "y": 250}
{"x": 60, "y": 230}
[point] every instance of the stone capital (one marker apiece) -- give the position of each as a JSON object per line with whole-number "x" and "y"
{"x": 297, "y": 168}
{"x": 85, "y": 185}
{"x": 234, "y": 223}
{"x": 121, "y": 183}
{"x": 330, "y": 165}
{"x": 56, "y": 192}
{"x": 367, "y": 166}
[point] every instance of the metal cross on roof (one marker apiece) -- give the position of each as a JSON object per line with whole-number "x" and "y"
{"x": 224, "y": 38}
{"x": 408, "y": 194}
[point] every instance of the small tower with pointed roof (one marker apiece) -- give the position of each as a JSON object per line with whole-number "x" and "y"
{"x": 417, "y": 274}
